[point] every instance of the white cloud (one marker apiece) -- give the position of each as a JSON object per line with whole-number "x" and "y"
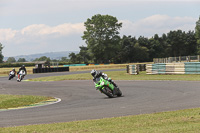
{"x": 7, "y": 34}
{"x": 157, "y": 24}
{"x": 62, "y": 30}
{"x": 41, "y": 30}
{"x": 41, "y": 38}
{"x": 44, "y": 38}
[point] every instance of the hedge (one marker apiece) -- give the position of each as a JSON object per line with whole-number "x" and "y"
{"x": 27, "y": 64}
{"x": 15, "y": 64}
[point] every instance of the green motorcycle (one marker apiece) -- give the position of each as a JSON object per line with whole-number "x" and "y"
{"x": 104, "y": 86}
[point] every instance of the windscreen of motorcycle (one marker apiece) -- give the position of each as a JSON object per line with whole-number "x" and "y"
{"x": 97, "y": 80}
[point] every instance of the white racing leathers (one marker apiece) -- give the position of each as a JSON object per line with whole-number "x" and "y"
{"x": 21, "y": 75}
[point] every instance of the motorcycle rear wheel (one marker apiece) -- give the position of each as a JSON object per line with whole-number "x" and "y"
{"x": 10, "y": 77}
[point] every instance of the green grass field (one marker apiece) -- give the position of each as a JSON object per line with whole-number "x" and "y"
{"x": 122, "y": 75}
{"x": 184, "y": 121}
{"x": 5, "y": 71}
{"x": 13, "y": 101}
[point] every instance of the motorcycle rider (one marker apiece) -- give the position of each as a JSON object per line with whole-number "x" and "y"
{"x": 12, "y": 76}
{"x": 97, "y": 74}
{"x": 13, "y": 71}
{"x": 22, "y": 68}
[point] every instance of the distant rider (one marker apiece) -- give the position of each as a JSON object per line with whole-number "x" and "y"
{"x": 97, "y": 74}
{"x": 13, "y": 71}
{"x": 22, "y": 68}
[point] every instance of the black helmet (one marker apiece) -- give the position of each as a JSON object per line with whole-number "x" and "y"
{"x": 93, "y": 72}
{"x": 23, "y": 66}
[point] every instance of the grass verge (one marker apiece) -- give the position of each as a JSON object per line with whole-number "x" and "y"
{"x": 166, "y": 122}
{"x": 122, "y": 75}
{"x": 5, "y": 71}
{"x": 14, "y": 101}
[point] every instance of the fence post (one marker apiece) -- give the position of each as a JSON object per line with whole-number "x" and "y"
{"x": 198, "y": 57}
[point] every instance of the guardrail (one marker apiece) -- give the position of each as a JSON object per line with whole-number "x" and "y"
{"x": 173, "y": 68}
{"x": 195, "y": 58}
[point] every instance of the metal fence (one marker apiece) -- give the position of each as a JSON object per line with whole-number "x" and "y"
{"x": 177, "y": 59}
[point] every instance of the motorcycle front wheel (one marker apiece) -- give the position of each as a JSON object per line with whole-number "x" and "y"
{"x": 19, "y": 78}
{"x": 10, "y": 77}
{"x": 119, "y": 93}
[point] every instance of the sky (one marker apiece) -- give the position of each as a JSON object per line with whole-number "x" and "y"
{"x": 40, "y": 26}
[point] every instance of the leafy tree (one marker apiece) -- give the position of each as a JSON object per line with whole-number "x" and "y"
{"x": 143, "y": 41}
{"x": 166, "y": 47}
{"x": 104, "y": 44}
{"x": 79, "y": 58}
{"x": 176, "y": 41}
{"x": 42, "y": 58}
{"x": 182, "y": 43}
{"x": 85, "y": 54}
{"x": 73, "y": 58}
{"x": 21, "y": 60}
{"x": 132, "y": 51}
{"x": 125, "y": 53}
{"x": 1, "y": 56}
{"x": 140, "y": 53}
{"x": 102, "y": 36}
{"x": 190, "y": 43}
{"x": 158, "y": 47}
{"x": 197, "y": 34}
{"x": 64, "y": 59}
{"x": 11, "y": 60}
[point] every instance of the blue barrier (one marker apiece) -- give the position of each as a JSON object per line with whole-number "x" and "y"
{"x": 74, "y": 65}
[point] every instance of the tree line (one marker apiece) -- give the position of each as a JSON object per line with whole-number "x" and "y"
{"x": 105, "y": 45}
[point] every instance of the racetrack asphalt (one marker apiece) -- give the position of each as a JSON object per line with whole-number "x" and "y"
{"x": 81, "y": 101}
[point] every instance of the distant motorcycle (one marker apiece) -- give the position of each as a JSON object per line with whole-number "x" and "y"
{"x": 11, "y": 75}
{"x": 21, "y": 75}
{"x": 105, "y": 87}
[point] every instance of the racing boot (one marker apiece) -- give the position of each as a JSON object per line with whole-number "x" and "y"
{"x": 114, "y": 84}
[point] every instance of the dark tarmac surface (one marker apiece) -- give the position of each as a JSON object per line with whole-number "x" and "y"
{"x": 81, "y": 101}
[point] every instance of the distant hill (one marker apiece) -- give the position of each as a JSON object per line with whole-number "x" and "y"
{"x": 51, "y": 55}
